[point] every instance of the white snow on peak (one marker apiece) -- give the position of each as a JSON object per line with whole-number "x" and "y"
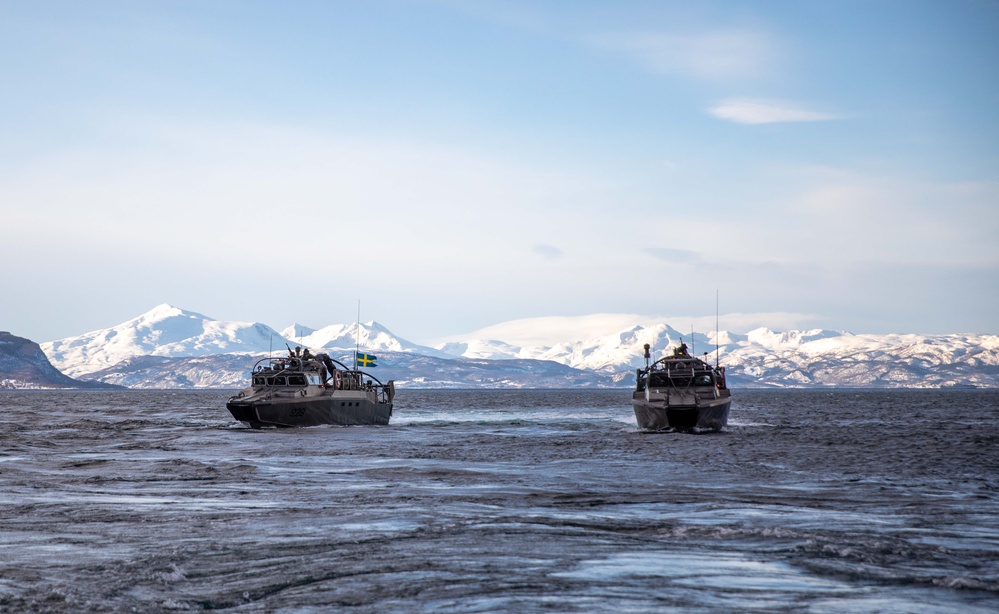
{"x": 368, "y": 336}
{"x": 788, "y": 339}
{"x": 549, "y": 330}
{"x": 791, "y": 357}
{"x": 162, "y": 331}
{"x": 297, "y": 331}
{"x": 173, "y": 332}
{"x": 481, "y": 349}
{"x": 622, "y": 349}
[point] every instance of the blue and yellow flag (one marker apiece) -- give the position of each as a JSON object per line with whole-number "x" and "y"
{"x": 366, "y": 360}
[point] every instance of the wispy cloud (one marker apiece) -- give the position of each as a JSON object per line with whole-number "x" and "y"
{"x": 711, "y": 55}
{"x": 548, "y": 252}
{"x": 766, "y": 112}
{"x": 670, "y": 254}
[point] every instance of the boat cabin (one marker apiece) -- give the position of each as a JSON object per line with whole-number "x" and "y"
{"x": 296, "y": 371}
{"x": 291, "y": 379}
{"x": 679, "y": 373}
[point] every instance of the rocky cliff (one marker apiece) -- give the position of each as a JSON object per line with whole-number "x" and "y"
{"x": 24, "y": 365}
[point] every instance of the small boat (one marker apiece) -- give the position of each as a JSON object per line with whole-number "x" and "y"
{"x": 305, "y": 390}
{"x": 681, "y": 392}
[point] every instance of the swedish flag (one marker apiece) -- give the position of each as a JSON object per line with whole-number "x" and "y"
{"x": 366, "y": 360}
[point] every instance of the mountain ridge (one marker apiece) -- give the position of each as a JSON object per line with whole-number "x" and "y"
{"x": 761, "y": 357}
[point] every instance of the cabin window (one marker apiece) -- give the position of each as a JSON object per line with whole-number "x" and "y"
{"x": 702, "y": 380}
{"x": 259, "y": 381}
{"x": 296, "y": 380}
{"x": 279, "y": 380}
{"x": 314, "y": 380}
{"x": 661, "y": 380}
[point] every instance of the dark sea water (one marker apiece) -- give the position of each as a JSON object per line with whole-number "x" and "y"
{"x": 482, "y": 501}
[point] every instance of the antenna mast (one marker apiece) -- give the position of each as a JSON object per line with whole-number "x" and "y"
{"x": 716, "y": 328}
{"x": 357, "y": 335}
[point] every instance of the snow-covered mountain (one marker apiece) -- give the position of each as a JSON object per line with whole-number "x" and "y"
{"x": 162, "y": 331}
{"x": 612, "y": 353}
{"x": 764, "y": 357}
{"x": 409, "y": 370}
{"x": 373, "y": 337}
{"x": 828, "y": 358}
{"x": 546, "y": 331}
{"x": 170, "y": 332}
{"x": 186, "y": 349}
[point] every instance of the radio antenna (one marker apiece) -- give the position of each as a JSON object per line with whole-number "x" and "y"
{"x": 357, "y": 336}
{"x": 716, "y": 328}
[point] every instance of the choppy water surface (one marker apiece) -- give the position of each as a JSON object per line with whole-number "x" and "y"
{"x": 502, "y": 501}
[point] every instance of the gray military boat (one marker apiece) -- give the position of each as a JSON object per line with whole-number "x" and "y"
{"x": 305, "y": 390}
{"x": 682, "y": 393}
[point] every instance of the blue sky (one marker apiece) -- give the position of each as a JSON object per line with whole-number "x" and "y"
{"x": 457, "y": 164}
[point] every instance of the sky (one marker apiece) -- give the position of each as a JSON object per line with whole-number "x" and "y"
{"x": 443, "y": 166}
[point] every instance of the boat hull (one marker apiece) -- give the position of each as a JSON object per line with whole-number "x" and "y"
{"x": 343, "y": 408}
{"x": 657, "y": 415}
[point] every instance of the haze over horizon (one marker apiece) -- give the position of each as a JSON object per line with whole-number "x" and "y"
{"x": 454, "y": 165}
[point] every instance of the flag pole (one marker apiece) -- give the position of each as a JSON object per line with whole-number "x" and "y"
{"x": 357, "y": 336}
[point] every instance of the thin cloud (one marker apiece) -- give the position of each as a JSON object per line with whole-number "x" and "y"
{"x": 759, "y": 112}
{"x": 711, "y": 55}
{"x": 670, "y": 254}
{"x": 548, "y": 252}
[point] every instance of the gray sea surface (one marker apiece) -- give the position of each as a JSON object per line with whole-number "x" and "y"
{"x": 501, "y": 501}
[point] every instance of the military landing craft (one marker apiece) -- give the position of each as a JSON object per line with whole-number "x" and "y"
{"x": 304, "y": 390}
{"x": 680, "y": 392}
